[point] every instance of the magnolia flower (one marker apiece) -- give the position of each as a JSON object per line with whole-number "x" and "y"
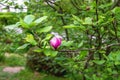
{"x": 55, "y": 42}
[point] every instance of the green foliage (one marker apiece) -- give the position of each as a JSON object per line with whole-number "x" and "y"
{"x": 31, "y": 39}
{"x": 9, "y": 40}
{"x": 18, "y": 60}
{"x": 39, "y": 60}
{"x": 45, "y": 29}
{"x": 40, "y": 56}
{"x": 39, "y": 20}
{"x": 9, "y": 18}
{"x": 92, "y": 28}
{"x": 49, "y": 52}
{"x": 2, "y": 57}
{"x": 15, "y": 60}
{"x": 9, "y": 35}
{"x": 91, "y": 37}
{"x": 114, "y": 57}
{"x": 28, "y": 19}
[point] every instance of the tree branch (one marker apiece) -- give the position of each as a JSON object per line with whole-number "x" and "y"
{"x": 72, "y": 2}
{"x": 62, "y": 18}
{"x": 50, "y": 5}
{"x": 89, "y": 49}
{"x": 116, "y": 2}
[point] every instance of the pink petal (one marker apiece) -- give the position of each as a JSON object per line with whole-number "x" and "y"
{"x": 55, "y": 42}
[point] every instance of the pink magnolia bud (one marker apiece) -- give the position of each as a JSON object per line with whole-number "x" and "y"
{"x": 55, "y": 42}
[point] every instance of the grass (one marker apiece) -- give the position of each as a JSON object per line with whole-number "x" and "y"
{"x": 17, "y": 60}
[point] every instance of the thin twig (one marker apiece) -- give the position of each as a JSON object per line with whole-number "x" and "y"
{"x": 116, "y": 2}
{"x": 115, "y": 29}
{"x": 50, "y": 5}
{"x": 90, "y": 49}
{"x": 59, "y": 11}
{"x": 115, "y": 44}
{"x": 72, "y": 2}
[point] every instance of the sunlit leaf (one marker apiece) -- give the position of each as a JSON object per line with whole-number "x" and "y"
{"x": 39, "y": 20}
{"x": 76, "y": 18}
{"x": 81, "y": 44}
{"x": 67, "y": 43}
{"x": 70, "y": 26}
{"x": 38, "y": 50}
{"x": 30, "y": 39}
{"x": 48, "y": 36}
{"x": 45, "y": 29}
{"x": 88, "y": 20}
{"x": 99, "y": 62}
{"x": 23, "y": 46}
{"x": 23, "y": 24}
{"x": 29, "y": 18}
{"x": 49, "y": 52}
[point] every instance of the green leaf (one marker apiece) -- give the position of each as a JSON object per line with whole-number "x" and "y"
{"x": 17, "y": 24}
{"x": 47, "y": 37}
{"x": 40, "y": 19}
{"x": 83, "y": 54}
{"x": 29, "y": 18}
{"x": 30, "y": 39}
{"x": 117, "y": 62}
{"x": 116, "y": 10}
{"x": 118, "y": 56}
{"x": 88, "y": 20}
{"x": 81, "y": 44}
{"x": 106, "y": 57}
{"x": 10, "y": 27}
{"x": 38, "y": 50}
{"x": 49, "y": 52}
{"x": 32, "y": 24}
{"x": 112, "y": 32}
{"x": 23, "y": 46}
{"x": 26, "y": 3}
{"x": 99, "y": 62}
{"x": 54, "y": 53}
{"x": 114, "y": 56}
{"x": 75, "y": 27}
{"x": 23, "y": 24}
{"x": 76, "y": 18}
{"x": 67, "y": 43}
{"x": 45, "y": 29}
{"x": 70, "y": 26}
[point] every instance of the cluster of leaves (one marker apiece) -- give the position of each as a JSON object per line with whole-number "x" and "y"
{"x": 93, "y": 35}
{"x": 36, "y": 35}
{"x": 40, "y": 55}
{"x": 90, "y": 29}
{"x": 9, "y": 37}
